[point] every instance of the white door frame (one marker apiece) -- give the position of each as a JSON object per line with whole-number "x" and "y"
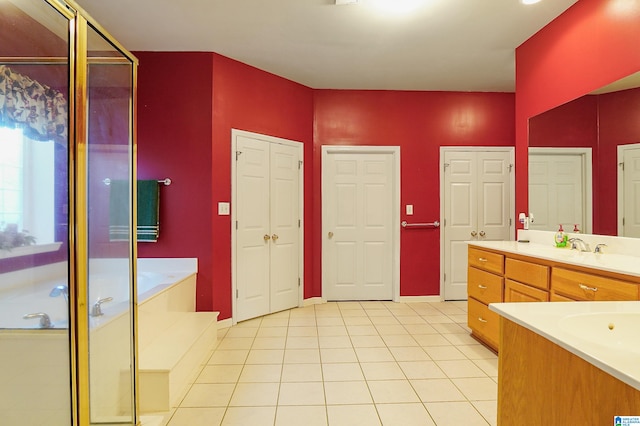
{"x": 621, "y": 150}
{"x": 512, "y": 194}
{"x": 395, "y": 208}
{"x": 587, "y": 179}
{"x": 271, "y": 139}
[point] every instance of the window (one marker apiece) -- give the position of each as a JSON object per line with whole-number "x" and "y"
{"x": 27, "y": 184}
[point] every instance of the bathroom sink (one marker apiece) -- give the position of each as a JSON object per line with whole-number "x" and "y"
{"x": 618, "y": 331}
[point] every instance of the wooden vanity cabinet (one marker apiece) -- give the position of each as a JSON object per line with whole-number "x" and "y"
{"x": 497, "y": 276}
{"x": 485, "y": 284}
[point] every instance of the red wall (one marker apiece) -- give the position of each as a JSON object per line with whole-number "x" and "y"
{"x": 420, "y": 123}
{"x": 590, "y": 45}
{"x": 246, "y": 98}
{"x": 174, "y": 141}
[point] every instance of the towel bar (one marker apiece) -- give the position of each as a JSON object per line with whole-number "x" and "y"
{"x": 165, "y": 181}
{"x": 434, "y": 224}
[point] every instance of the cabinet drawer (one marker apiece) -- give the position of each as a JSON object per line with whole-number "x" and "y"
{"x": 492, "y": 262}
{"x": 484, "y": 286}
{"x": 581, "y": 286}
{"x": 528, "y": 273}
{"x": 483, "y": 322}
{"x": 516, "y": 292}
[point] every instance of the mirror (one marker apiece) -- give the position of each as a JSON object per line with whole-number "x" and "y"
{"x": 582, "y": 161}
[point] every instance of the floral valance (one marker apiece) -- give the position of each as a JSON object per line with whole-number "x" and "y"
{"x": 36, "y": 108}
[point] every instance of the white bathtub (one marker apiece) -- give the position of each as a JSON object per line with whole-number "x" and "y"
{"x": 35, "y": 368}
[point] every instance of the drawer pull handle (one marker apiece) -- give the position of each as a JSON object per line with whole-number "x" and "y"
{"x": 482, "y": 319}
{"x": 584, "y": 287}
{"x": 484, "y": 287}
{"x": 482, "y": 259}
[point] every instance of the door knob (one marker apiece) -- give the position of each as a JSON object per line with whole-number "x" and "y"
{"x": 330, "y": 235}
{"x": 266, "y": 237}
{"x": 274, "y": 237}
{"x": 482, "y": 233}
{"x": 474, "y": 233}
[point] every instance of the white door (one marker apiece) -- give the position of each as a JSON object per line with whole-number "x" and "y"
{"x": 267, "y": 227}
{"x": 357, "y": 248}
{"x": 631, "y": 191}
{"x": 477, "y": 205}
{"x": 557, "y": 192}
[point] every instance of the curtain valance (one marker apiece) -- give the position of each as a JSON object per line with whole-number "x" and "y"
{"x": 36, "y": 108}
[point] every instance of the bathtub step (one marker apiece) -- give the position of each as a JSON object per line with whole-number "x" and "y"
{"x": 168, "y": 363}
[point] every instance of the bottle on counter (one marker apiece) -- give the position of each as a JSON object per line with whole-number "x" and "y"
{"x": 561, "y": 238}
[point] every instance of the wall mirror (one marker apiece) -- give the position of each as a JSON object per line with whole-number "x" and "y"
{"x": 584, "y": 162}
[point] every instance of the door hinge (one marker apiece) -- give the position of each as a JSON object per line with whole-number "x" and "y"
{"x": 298, "y": 223}
{"x": 445, "y": 165}
{"x": 444, "y": 277}
{"x": 236, "y": 225}
{"x": 509, "y": 221}
{"x": 238, "y": 154}
{"x": 236, "y": 293}
{"x": 621, "y": 166}
{"x": 623, "y": 221}
{"x": 298, "y": 281}
{"x": 444, "y": 222}
{"x": 510, "y": 168}
{"x": 299, "y": 164}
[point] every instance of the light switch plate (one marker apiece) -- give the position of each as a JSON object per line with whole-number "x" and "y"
{"x": 409, "y": 209}
{"x": 224, "y": 209}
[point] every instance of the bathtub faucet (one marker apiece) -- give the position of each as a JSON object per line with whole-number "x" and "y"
{"x": 96, "y": 310}
{"x": 45, "y": 321}
{"x": 60, "y": 290}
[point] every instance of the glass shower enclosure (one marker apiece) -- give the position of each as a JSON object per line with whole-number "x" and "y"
{"x": 67, "y": 209}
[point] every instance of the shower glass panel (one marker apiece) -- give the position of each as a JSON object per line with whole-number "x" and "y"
{"x": 110, "y": 267}
{"x": 34, "y": 204}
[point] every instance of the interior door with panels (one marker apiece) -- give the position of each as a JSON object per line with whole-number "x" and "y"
{"x": 267, "y": 226}
{"x": 358, "y": 208}
{"x": 477, "y": 205}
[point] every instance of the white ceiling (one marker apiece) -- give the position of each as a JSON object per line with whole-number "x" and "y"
{"x": 451, "y": 45}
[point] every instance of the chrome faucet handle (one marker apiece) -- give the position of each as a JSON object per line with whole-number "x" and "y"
{"x": 598, "y": 248}
{"x": 96, "y": 310}
{"x": 45, "y": 321}
{"x": 574, "y": 243}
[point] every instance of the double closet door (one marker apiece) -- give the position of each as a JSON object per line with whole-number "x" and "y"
{"x": 477, "y": 207}
{"x": 267, "y": 225}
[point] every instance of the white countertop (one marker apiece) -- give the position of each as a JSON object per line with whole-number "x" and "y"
{"x": 584, "y": 329}
{"x": 611, "y": 262}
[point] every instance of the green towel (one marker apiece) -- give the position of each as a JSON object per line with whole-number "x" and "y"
{"x": 119, "y": 202}
{"x": 148, "y": 211}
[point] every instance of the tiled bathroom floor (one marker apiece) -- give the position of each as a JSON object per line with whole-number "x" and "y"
{"x": 347, "y": 363}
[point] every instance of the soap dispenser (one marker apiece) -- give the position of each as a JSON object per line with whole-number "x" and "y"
{"x": 576, "y": 230}
{"x": 561, "y": 238}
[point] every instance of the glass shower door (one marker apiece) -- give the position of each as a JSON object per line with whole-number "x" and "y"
{"x": 110, "y": 248}
{"x": 34, "y": 204}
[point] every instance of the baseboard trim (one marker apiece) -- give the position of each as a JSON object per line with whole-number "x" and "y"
{"x": 419, "y": 299}
{"x": 313, "y": 301}
{"x": 225, "y": 323}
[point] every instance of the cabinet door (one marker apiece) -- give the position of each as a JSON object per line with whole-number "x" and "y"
{"x": 517, "y": 292}
{"x": 484, "y": 322}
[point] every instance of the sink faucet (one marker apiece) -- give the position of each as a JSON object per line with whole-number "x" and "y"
{"x": 45, "y": 321}
{"x": 578, "y": 243}
{"x": 96, "y": 310}
{"x": 598, "y": 248}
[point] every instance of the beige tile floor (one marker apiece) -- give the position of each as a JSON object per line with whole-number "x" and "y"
{"x": 347, "y": 363}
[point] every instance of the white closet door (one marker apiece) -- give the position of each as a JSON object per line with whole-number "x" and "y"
{"x": 476, "y": 208}
{"x": 253, "y": 236}
{"x": 357, "y": 226}
{"x": 461, "y": 219}
{"x": 284, "y": 227}
{"x": 556, "y": 191}
{"x": 631, "y": 227}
